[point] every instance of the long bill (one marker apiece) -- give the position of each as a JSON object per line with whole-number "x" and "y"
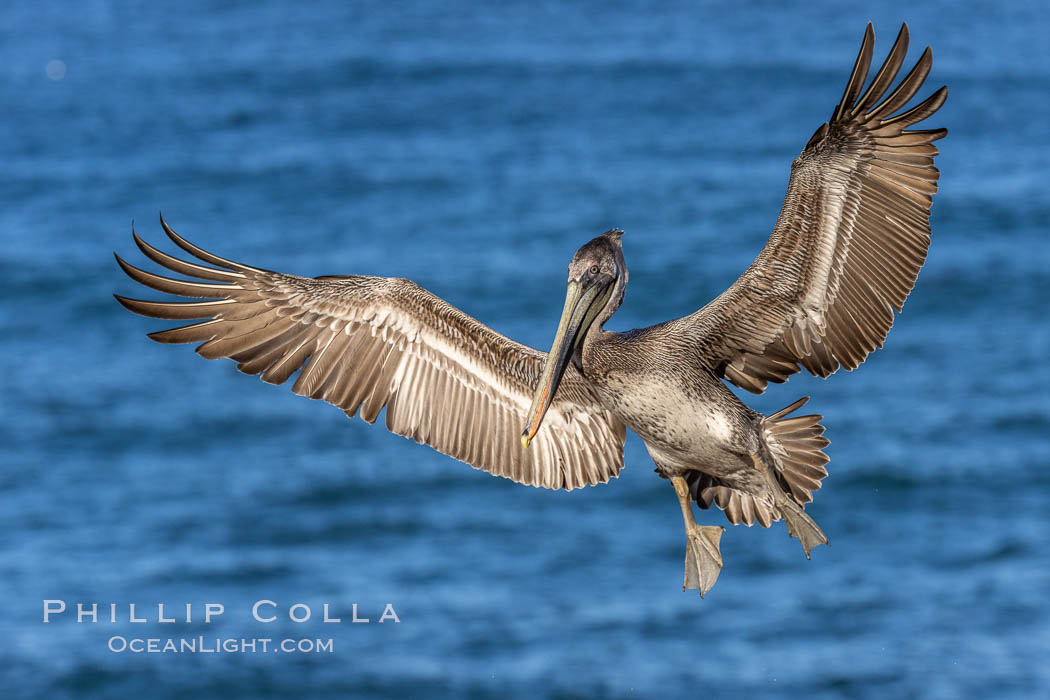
{"x": 580, "y": 310}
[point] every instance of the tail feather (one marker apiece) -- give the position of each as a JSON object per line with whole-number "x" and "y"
{"x": 797, "y": 446}
{"x": 788, "y": 409}
{"x": 739, "y": 506}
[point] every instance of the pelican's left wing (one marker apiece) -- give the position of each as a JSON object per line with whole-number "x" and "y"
{"x": 848, "y": 245}
{"x": 365, "y": 343}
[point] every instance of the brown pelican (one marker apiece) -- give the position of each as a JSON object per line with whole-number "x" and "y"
{"x": 846, "y": 249}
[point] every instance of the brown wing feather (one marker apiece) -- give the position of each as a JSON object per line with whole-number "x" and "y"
{"x": 848, "y": 245}
{"x": 365, "y": 343}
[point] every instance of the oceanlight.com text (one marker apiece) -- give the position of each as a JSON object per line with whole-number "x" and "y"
{"x": 218, "y": 645}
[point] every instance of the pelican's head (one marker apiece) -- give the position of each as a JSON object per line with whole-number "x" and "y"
{"x": 597, "y": 279}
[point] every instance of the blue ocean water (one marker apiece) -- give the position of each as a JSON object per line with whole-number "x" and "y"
{"x": 473, "y": 147}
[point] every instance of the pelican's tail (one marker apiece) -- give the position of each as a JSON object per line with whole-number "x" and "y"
{"x": 793, "y": 449}
{"x": 796, "y": 445}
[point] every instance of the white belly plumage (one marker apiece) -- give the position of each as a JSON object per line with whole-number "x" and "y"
{"x": 680, "y": 429}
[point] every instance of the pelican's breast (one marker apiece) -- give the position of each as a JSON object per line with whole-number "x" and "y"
{"x": 685, "y": 416}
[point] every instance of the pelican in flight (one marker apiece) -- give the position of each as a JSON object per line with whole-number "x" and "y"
{"x": 844, "y": 253}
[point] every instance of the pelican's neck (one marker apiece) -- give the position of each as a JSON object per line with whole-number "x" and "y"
{"x": 616, "y": 298}
{"x": 596, "y": 330}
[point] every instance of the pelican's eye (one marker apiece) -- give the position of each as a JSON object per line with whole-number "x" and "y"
{"x": 594, "y": 269}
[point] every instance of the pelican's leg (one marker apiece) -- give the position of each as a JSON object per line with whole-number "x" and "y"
{"x": 703, "y": 560}
{"x": 800, "y": 525}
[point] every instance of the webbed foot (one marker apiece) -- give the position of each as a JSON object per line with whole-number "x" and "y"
{"x": 802, "y": 527}
{"x": 799, "y": 525}
{"x": 703, "y": 559}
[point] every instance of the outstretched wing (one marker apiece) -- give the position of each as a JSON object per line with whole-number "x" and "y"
{"x": 849, "y": 242}
{"x": 365, "y": 343}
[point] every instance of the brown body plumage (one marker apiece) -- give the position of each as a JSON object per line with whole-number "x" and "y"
{"x": 845, "y": 252}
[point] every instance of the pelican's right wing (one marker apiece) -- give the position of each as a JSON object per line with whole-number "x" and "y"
{"x": 365, "y": 343}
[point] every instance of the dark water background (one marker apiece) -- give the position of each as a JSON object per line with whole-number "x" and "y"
{"x": 472, "y": 147}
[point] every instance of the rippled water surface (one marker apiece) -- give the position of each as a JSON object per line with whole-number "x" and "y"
{"x": 473, "y": 147}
